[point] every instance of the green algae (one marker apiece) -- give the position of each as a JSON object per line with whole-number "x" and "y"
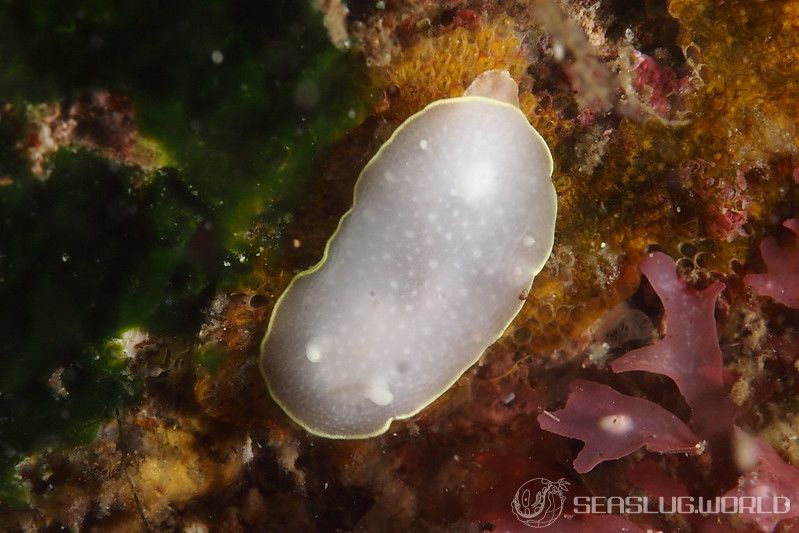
{"x": 210, "y": 357}
{"x": 84, "y": 257}
{"x": 242, "y": 99}
{"x": 242, "y": 96}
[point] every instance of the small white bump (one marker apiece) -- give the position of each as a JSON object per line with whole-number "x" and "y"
{"x": 313, "y": 351}
{"x": 423, "y": 144}
{"x": 617, "y": 424}
{"x": 528, "y": 240}
{"x": 378, "y": 393}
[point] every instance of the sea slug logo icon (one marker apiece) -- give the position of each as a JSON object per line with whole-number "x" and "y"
{"x": 539, "y": 502}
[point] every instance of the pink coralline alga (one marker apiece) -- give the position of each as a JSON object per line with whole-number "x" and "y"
{"x": 772, "y": 481}
{"x": 731, "y": 209}
{"x": 726, "y": 203}
{"x": 655, "y": 82}
{"x": 689, "y": 352}
{"x": 781, "y": 281}
{"x": 613, "y": 425}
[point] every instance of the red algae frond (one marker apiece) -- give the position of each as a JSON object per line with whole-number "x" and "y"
{"x": 613, "y": 425}
{"x": 781, "y": 282}
{"x": 689, "y": 352}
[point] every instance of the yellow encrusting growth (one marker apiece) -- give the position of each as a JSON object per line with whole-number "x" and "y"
{"x": 444, "y": 65}
{"x": 747, "y": 55}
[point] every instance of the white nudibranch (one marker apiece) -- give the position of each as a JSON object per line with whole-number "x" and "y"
{"x": 451, "y": 221}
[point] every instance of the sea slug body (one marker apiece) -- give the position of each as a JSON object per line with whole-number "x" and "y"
{"x": 451, "y": 221}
